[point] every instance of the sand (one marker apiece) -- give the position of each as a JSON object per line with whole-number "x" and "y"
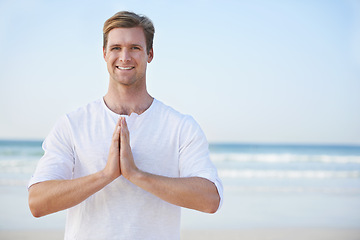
{"x": 243, "y": 234}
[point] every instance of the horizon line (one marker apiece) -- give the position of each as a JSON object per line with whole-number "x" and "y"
{"x": 243, "y": 143}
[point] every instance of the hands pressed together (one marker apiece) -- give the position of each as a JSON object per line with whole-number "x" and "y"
{"x": 55, "y": 195}
{"x": 192, "y": 192}
{"x": 120, "y": 159}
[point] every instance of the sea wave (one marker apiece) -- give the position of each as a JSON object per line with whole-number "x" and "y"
{"x": 250, "y": 173}
{"x": 25, "y": 152}
{"x": 283, "y": 158}
{"x": 295, "y": 189}
{"x": 18, "y": 166}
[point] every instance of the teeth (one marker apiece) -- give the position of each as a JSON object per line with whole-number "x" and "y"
{"x": 125, "y": 68}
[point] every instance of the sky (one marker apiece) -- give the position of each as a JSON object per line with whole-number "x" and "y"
{"x": 248, "y": 71}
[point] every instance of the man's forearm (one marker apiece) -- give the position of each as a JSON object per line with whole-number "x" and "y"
{"x": 56, "y": 195}
{"x": 193, "y": 192}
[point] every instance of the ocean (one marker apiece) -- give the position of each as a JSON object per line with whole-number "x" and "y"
{"x": 289, "y": 168}
{"x": 266, "y": 186}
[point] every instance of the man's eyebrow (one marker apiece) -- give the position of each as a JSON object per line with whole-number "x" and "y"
{"x": 132, "y": 44}
{"x": 114, "y": 45}
{"x": 136, "y": 45}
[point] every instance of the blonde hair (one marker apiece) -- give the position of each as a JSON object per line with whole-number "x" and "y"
{"x": 125, "y": 19}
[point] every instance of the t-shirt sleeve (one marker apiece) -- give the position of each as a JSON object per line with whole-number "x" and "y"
{"x": 57, "y": 163}
{"x": 194, "y": 160}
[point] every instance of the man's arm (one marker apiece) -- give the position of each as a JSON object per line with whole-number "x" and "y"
{"x": 193, "y": 192}
{"x": 56, "y": 195}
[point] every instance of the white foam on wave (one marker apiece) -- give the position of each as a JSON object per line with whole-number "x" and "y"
{"x": 17, "y": 166}
{"x": 227, "y": 173}
{"x": 294, "y": 189}
{"x": 283, "y": 158}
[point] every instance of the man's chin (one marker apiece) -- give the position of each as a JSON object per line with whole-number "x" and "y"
{"x": 125, "y": 81}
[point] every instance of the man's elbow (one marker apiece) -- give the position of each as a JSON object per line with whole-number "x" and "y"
{"x": 35, "y": 211}
{"x": 213, "y": 205}
{"x": 36, "y": 208}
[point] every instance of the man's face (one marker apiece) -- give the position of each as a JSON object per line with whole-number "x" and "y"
{"x": 126, "y": 56}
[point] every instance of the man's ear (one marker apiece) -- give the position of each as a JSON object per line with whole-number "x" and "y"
{"x": 104, "y": 53}
{"x": 150, "y": 55}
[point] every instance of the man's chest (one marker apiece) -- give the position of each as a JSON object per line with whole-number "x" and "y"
{"x": 155, "y": 150}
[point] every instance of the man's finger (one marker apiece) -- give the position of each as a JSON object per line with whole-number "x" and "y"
{"x": 116, "y": 136}
{"x": 116, "y": 127}
{"x": 124, "y": 130}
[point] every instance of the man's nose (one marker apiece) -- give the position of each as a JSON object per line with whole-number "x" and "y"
{"x": 125, "y": 55}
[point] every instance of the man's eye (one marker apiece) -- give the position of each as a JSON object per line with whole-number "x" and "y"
{"x": 115, "y": 48}
{"x": 136, "y": 48}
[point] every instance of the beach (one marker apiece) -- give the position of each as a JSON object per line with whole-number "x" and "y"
{"x": 271, "y": 192}
{"x": 244, "y": 215}
{"x": 210, "y": 234}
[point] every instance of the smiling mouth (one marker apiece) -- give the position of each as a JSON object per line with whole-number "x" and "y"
{"x": 124, "y": 68}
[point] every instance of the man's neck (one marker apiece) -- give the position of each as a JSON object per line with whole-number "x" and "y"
{"x": 124, "y": 100}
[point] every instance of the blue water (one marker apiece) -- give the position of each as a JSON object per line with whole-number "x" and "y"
{"x": 283, "y": 148}
{"x": 243, "y": 166}
{"x": 289, "y": 167}
{"x": 265, "y": 186}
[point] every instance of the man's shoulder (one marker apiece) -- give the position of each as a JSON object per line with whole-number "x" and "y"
{"x": 168, "y": 111}
{"x": 86, "y": 110}
{"x": 171, "y": 114}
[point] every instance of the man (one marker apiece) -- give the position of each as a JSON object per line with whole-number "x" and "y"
{"x": 125, "y": 164}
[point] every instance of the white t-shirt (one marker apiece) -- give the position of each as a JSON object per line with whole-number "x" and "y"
{"x": 163, "y": 142}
